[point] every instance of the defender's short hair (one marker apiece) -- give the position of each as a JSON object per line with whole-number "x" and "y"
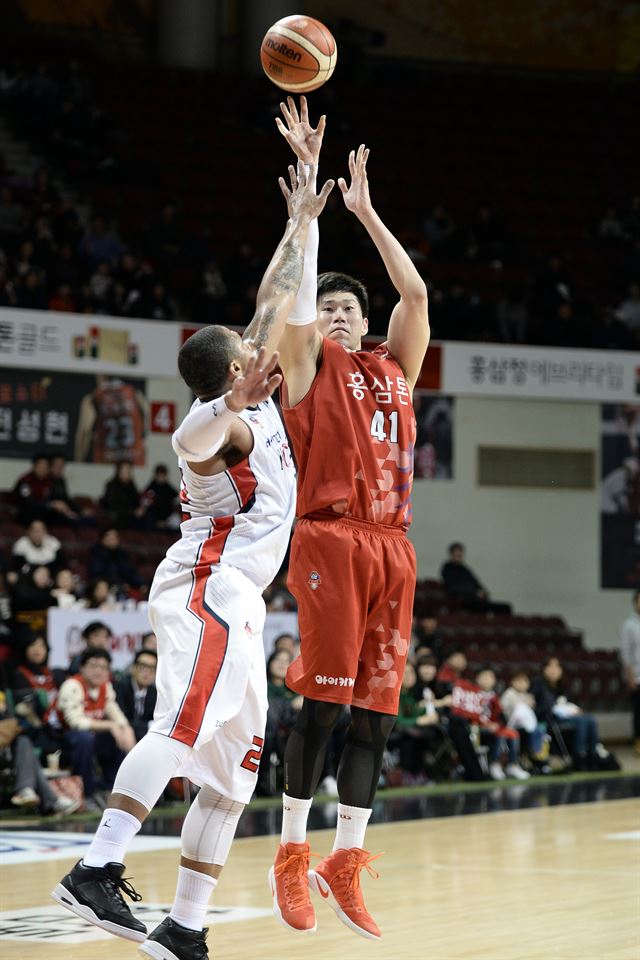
{"x": 333, "y": 282}
{"x": 203, "y": 361}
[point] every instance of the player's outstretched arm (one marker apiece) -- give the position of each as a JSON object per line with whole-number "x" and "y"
{"x": 277, "y": 292}
{"x": 301, "y": 341}
{"x": 408, "y": 336}
{"x": 207, "y": 426}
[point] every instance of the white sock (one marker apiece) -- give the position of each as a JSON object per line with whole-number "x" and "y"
{"x": 114, "y": 834}
{"x": 352, "y": 826}
{"x": 295, "y": 813}
{"x": 192, "y": 898}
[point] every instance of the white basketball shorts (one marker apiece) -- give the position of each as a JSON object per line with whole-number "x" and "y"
{"x": 211, "y": 678}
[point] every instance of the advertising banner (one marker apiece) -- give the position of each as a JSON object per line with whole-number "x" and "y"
{"x": 87, "y": 419}
{"x": 80, "y": 343}
{"x": 541, "y": 373}
{"x": 620, "y": 497}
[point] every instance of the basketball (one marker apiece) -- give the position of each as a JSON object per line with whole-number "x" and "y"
{"x": 298, "y": 54}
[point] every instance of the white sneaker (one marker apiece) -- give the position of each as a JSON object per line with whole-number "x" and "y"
{"x": 496, "y": 772}
{"x": 329, "y": 786}
{"x": 27, "y": 797}
{"x": 66, "y": 805}
{"x": 515, "y": 770}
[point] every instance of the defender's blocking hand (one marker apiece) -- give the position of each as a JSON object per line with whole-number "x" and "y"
{"x": 257, "y": 384}
{"x": 301, "y": 197}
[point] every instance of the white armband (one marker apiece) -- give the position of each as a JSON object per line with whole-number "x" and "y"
{"x": 202, "y": 432}
{"x": 304, "y": 309}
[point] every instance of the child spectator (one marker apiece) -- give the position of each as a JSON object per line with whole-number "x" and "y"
{"x": 455, "y": 663}
{"x": 96, "y": 729}
{"x": 518, "y": 707}
{"x": 99, "y": 596}
{"x": 479, "y": 704}
{"x": 552, "y": 703}
{"x": 64, "y": 591}
{"x": 417, "y": 723}
{"x": 136, "y": 692}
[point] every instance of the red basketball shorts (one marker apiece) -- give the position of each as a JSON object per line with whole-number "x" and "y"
{"x": 354, "y": 583}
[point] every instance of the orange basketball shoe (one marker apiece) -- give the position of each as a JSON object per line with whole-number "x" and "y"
{"x": 289, "y": 882}
{"x": 337, "y": 880}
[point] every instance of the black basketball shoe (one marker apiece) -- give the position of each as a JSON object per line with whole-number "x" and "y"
{"x": 171, "y": 941}
{"x": 94, "y": 893}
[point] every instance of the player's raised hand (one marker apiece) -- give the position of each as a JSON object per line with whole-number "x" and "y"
{"x": 257, "y": 384}
{"x": 302, "y": 199}
{"x": 356, "y": 196}
{"x": 304, "y": 140}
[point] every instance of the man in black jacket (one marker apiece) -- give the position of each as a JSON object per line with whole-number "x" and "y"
{"x": 461, "y": 583}
{"x": 136, "y": 693}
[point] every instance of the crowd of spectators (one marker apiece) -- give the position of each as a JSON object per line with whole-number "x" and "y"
{"x": 452, "y": 722}
{"x": 57, "y": 254}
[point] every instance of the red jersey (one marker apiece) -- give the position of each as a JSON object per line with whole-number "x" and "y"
{"x": 42, "y": 680}
{"x": 93, "y": 708}
{"x": 353, "y": 436}
{"x": 119, "y": 428}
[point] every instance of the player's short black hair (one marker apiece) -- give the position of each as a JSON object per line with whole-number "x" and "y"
{"x": 333, "y": 282}
{"x": 203, "y": 361}
{"x": 95, "y": 655}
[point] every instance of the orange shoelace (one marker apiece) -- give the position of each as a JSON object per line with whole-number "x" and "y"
{"x": 294, "y": 871}
{"x": 355, "y": 867}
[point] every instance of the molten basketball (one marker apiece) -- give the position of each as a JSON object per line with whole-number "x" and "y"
{"x": 298, "y": 53}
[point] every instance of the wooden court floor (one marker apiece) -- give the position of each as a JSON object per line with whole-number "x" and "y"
{"x": 554, "y": 883}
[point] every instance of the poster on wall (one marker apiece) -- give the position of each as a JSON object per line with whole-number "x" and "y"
{"x": 620, "y": 497}
{"x": 84, "y": 418}
{"x": 434, "y": 441}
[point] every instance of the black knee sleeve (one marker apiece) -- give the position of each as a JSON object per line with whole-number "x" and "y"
{"x": 306, "y": 746}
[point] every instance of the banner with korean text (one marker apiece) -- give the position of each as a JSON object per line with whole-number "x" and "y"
{"x": 88, "y": 344}
{"x": 541, "y": 373}
{"x": 84, "y": 418}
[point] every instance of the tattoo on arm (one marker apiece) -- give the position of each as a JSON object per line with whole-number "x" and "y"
{"x": 286, "y": 275}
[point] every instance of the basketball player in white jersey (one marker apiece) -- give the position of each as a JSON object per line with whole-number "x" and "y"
{"x": 206, "y": 608}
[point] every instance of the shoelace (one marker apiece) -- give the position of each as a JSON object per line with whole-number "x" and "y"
{"x": 201, "y": 952}
{"x": 355, "y": 866}
{"x": 122, "y": 883}
{"x": 299, "y": 863}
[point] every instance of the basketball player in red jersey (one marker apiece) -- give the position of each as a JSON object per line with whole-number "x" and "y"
{"x": 350, "y": 418}
{"x": 207, "y": 611}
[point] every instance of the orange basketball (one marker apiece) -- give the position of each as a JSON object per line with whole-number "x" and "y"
{"x": 298, "y": 53}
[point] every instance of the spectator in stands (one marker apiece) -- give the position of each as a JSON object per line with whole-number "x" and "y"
{"x": 609, "y": 333}
{"x": 155, "y": 304}
{"x": 479, "y": 705}
{"x": 518, "y": 706}
{"x": 159, "y": 502}
{"x": 34, "y": 686}
{"x": 452, "y": 670}
{"x": 149, "y": 642}
{"x": 63, "y": 301}
{"x": 31, "y": 788}
{"x": 610, "y": 227}
{"x": 136, "y": 692}
{"x": 287, "y": 642}
{"x": 415, "y": 717}
{"x": 64, "y": 590}
{"x": 512, "y": 315}
{"x": 96, "y": 636}
{"x": 487, "y": 237}
{"x": 99, "y": 245}
{"x": 438, "y": 229}
{"x": 33, "y": 490}
{"x": 61, "y": 500}
{"x": 210, "y": 305}
{"x": 32, "y": 590}
{"x": 628, "y": 311}
{"x": 630, "y": 656}
{"x": 461, "y": 583}
{"x": 428, "y": 687}
{"x": 37, "y": 548}
{"x": 284, "y": 706}
{"x": 428, "y": 638}
{"x": 96, "y": 729}
{"x": 121, "y": 499}
{"x": 108, "y": 561}
{"x": 100, "y": 596}
{"x": 553, "y": 705}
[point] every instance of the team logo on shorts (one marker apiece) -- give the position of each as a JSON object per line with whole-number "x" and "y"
{"x": 314, "y": 580}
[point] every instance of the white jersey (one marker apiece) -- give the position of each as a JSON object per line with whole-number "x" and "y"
{"x": 242, "y": 517}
